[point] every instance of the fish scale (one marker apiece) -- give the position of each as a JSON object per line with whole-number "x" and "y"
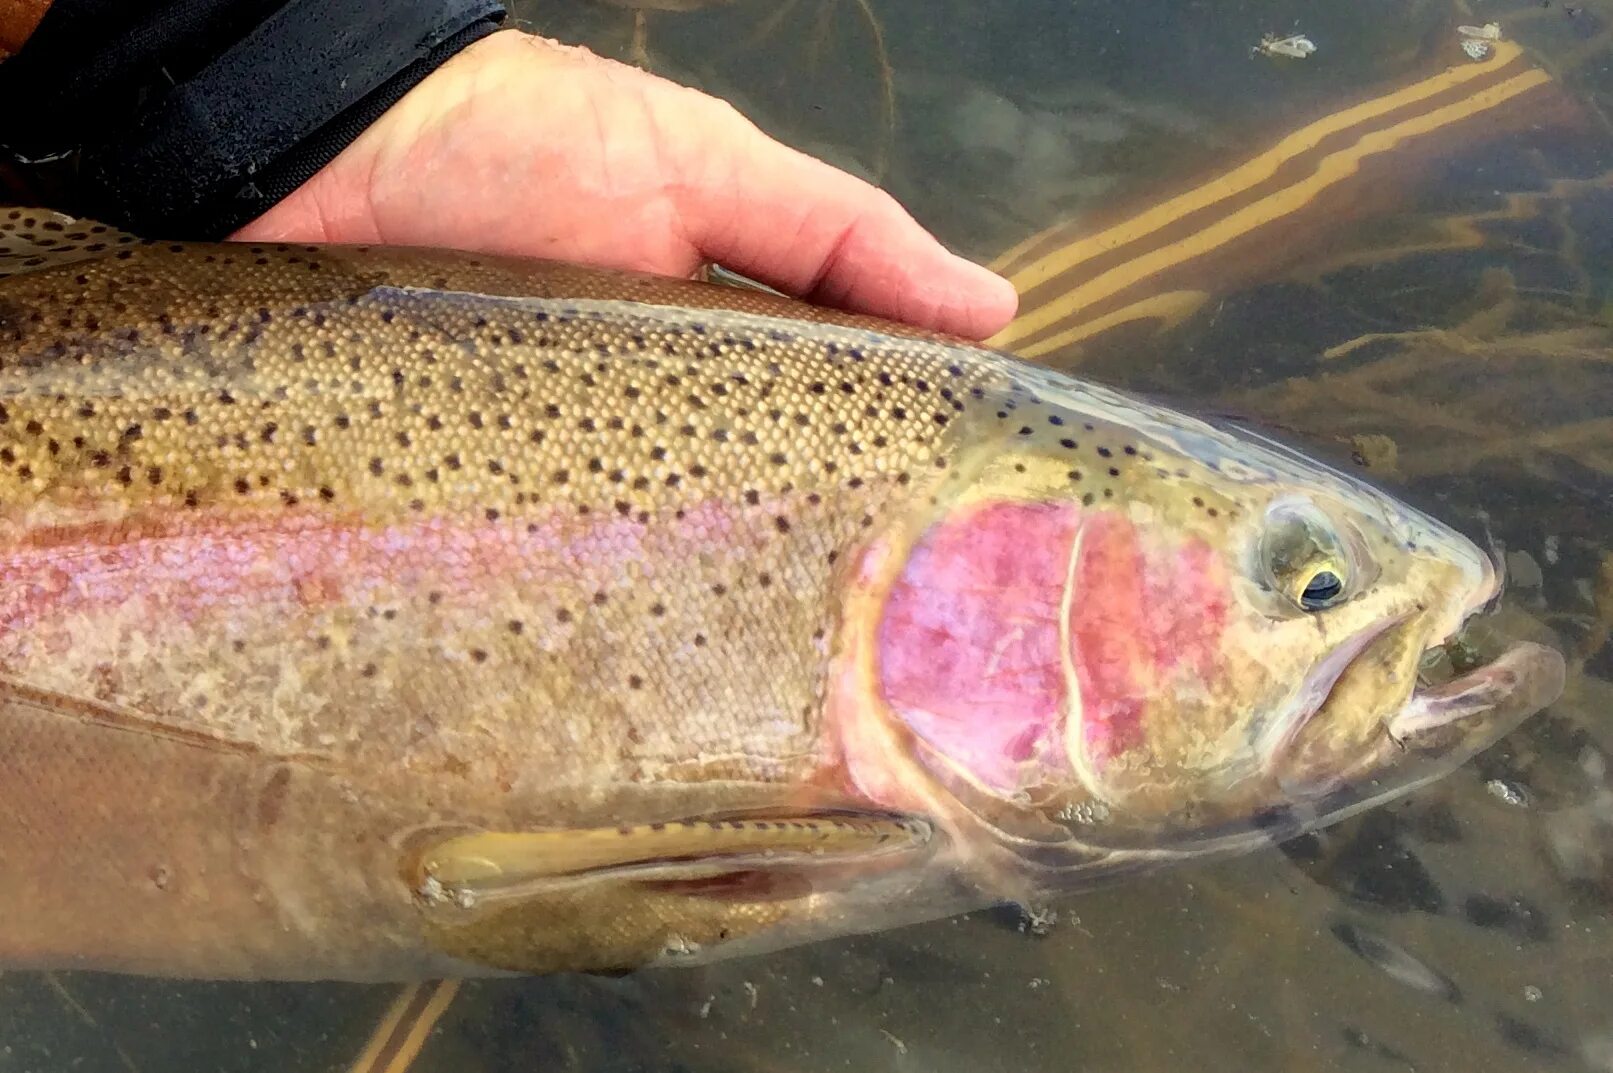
{"x": 627, "y": 441}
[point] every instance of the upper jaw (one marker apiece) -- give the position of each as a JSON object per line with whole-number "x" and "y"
{"x": 1487, "y": 593}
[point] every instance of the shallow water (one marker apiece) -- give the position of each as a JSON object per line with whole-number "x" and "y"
{"x": 1440, "y": 315}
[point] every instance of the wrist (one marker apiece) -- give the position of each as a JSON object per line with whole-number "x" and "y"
{"x": 186, "y": 121}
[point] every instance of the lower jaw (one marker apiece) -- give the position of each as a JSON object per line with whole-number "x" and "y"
{"x": 1525, "y": 678}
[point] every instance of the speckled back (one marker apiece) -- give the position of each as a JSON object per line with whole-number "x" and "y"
{"x": 532, "y": 524}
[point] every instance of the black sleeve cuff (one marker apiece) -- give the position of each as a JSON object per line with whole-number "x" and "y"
{"x": 188, "y": 119}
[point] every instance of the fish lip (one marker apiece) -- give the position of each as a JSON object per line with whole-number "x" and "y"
{"x": 1274, "y": 741}
{"x": 1429, "y": 707}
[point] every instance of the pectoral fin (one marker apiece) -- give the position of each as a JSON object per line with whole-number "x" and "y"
{"x": 498, "y": 864}
{"x": 603, "y": 899}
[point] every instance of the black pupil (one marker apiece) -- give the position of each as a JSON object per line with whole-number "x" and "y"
{"x": 1322, "y": 589}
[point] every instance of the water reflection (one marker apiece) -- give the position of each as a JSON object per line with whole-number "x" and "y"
{"x": 1441, "y": 317}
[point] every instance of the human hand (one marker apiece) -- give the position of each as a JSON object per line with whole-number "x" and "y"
{"x": 524, "y": 146}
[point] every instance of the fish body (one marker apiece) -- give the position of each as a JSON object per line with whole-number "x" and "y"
{"x": 395, "y": 613}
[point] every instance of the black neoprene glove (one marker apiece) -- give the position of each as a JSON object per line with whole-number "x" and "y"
{"x": 188, "y": 119}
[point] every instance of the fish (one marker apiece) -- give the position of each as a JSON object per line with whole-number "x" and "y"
{"x": 1396, "y": 962}
{"x": 390, "y": 614}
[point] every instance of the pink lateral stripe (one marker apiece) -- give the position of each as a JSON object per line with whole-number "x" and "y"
{"x": 191, "y": 567}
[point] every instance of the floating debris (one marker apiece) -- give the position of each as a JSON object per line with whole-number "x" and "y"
{"x": 1523, "y": 570}
{"x": 1476, "y": 39}
{"x": 1038, "y": 920}
{"x": 1294, "y": 46}
{"x": 1375, "y": 451}
{"x": 1507, "y": 792}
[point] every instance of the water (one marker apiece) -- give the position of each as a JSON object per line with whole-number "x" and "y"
{"x": 1441, "y": 316}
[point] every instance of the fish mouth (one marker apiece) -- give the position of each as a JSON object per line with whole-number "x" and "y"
{"x": 1440, "y": 727}
{"x": 1467, "y": 694}
{"x": 1521, "y": 680}
{"x": 1496, "y": 686}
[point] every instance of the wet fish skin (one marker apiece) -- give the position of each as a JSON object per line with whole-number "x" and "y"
{"x": 205, "y": 448}
{"x": 389, "y": 613}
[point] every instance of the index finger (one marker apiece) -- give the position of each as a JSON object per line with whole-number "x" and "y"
{"x": 812, "y": 230}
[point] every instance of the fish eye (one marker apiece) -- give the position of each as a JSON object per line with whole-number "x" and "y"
{"x": 1322, "y": 591}
{"x": 1303, "y": 558}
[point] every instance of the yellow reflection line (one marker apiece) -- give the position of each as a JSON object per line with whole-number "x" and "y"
{"x": 1171, "y": 307}
{"x": 401, "y": 1034}
{"x": 1248, "y": 174}
{"x": 1332, "y": 168}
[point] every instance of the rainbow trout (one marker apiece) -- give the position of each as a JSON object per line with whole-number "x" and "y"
{"x": 377, "y": 614}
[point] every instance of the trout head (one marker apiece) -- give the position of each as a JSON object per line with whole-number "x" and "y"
{"x": 1129, "y": 636}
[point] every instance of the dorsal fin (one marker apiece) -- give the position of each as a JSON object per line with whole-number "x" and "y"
{"x": 32, "y": 239}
